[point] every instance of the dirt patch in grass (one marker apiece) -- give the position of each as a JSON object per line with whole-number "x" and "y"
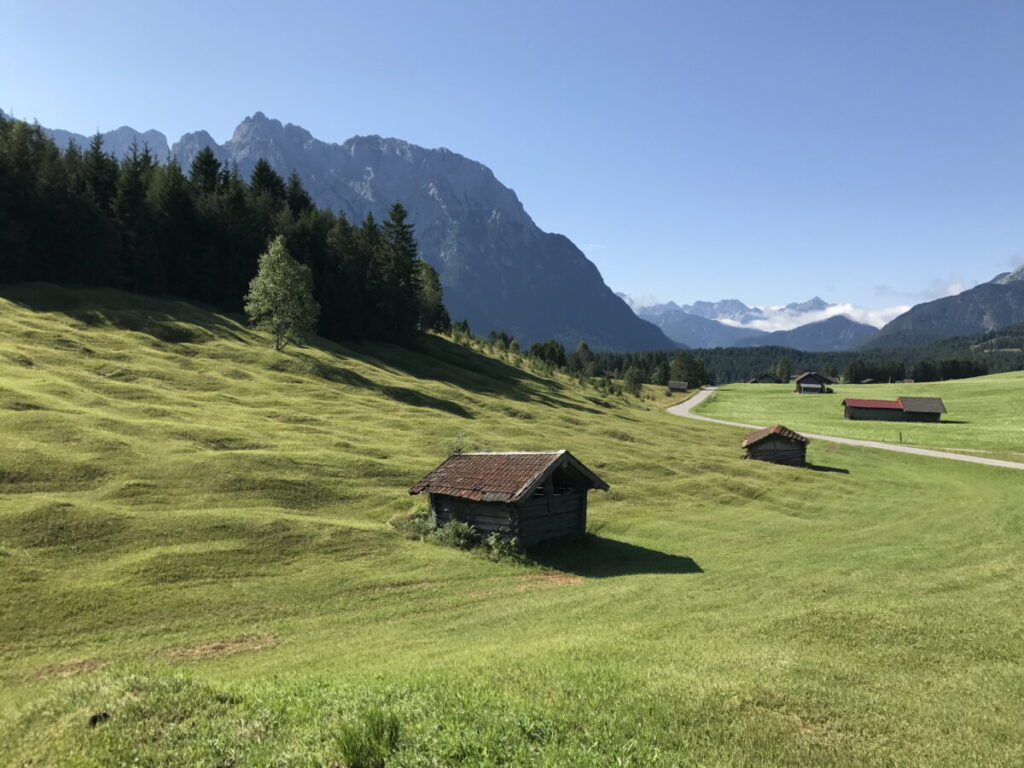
{"x": 68, "y": 669}
{"x": 244, "y": 644}
{"x": 549, "y": 579}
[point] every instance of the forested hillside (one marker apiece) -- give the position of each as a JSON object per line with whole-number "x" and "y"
{"x": 83, "y": 217}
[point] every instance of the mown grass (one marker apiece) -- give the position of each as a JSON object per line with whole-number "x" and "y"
{"x": 193, "y": 541}
{"x": 986, "y": 414}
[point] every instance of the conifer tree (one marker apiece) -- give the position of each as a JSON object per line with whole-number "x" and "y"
{"x": 280, "y": 298}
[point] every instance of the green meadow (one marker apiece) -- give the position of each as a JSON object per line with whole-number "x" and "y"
{"x": 985, "y": 414}
{"x": 196, "y": 568}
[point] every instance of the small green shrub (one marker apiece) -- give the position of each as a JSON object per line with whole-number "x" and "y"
{"x": 369, "y": 742}
{"x": 500, "y": 547}
{"x": 456, "y": 534}
{"x": 416, "y": 525}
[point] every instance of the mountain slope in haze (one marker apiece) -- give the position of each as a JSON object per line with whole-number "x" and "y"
{"x": 834, "y": 334}
{"x": 497, "y": 268}
{"x": 693, "y": 330}
{"x": 986, "y": 307}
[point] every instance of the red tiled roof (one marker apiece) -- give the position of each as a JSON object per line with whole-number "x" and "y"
{"x": 891, "y": 405}
{"x": 777, "y": 430}
{"x": 501, "y": 477}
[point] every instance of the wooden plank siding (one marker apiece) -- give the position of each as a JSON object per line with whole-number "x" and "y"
{"x": 485, "y": 518}
{"x": 779, "y": 451}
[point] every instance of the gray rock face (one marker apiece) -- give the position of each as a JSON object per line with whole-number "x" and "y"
{"x": 117, "y": 142}
{"x": 986, "y": 307}
{"x": 498, "y": 269}
{"x": 694, "y": 330}
{"x": 835, "y": 334}
{"x": 1010, "y": 277}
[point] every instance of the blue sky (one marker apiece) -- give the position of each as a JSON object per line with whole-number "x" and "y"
{"x": 868, "y": 152}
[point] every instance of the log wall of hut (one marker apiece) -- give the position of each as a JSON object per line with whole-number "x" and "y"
{"x": 552, "y": 516}
{"x": 779, "y": 451}
{"x": 919, "y": 416}
{"x": 854, "y": 413}
{"x": 486, "y": 517}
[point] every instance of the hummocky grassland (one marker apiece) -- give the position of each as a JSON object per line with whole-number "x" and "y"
{"x": 194, "y": 558}
{"x": 986, "y": 414}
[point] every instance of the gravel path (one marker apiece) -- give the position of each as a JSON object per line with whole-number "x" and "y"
{"x": 685, "y": 409}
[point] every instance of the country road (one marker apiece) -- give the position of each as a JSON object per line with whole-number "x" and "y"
{"x": 685, "y": 409}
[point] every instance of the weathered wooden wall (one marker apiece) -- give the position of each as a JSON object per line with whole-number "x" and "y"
{"x": 566, "y": 516}
{"x": 487, "y": 518}
{"x": 915, "y": 416}
{"x": 853, "y": 413}
{"x": 779, "y": 451}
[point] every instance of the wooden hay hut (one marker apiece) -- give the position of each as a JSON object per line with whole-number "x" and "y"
{"x": 532, "y": 496}
{"x": 678, "y": 386}
{"x": 778, "y": 445}
{"x": 813, "y": 383}
{"x": 765, "y": 378}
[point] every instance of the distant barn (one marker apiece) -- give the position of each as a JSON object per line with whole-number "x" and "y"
{"x": 778, "y": 444}
{"x": 900, "y": 409}
{"x": 812, "y": 383}
{"x": 765, "y": 378}
{"x": 532, "y": 496}
{"x": 678, "y": 386}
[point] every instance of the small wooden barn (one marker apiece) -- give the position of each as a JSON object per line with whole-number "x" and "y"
{"x": 532, "y": 496}
{"x": 778, "y": 444}
{"x": 765, "y": 378}
{"x": 812, "y": 383}
{"x": 678, "y": 386}
{"x": 923, "y": 408}
{"x": 872, "y": 410}
{"x": 900, "y": 409}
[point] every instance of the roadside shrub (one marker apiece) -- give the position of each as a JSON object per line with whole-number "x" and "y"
{"x": 456, "y": 534}
{"x": 416, "y": 525}
{"x": 369, "y": 742}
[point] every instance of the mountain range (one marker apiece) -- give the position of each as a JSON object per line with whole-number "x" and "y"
{"x": 731, "y": 323}
{"x": 497, "y": 268}
{"x": 986, "y": 307}
{"x": 500, "y": 271}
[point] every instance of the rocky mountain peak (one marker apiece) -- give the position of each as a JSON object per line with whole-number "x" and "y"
{"x": 1010, "y": 277}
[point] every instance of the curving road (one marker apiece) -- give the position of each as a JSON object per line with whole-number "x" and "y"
{"x": 685, "y": 409}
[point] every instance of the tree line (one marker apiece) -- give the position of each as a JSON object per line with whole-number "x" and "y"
{"x": 81, "y": 216}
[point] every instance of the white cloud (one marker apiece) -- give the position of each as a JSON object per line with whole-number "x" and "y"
{"x": 781, "y": 319}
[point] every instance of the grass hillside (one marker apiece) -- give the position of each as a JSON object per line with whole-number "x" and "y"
{"x": 986, "y": 414}
{"x": 195, "y": 569}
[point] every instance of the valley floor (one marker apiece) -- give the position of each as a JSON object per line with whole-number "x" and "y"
{"x": 194, "y": 542}
{"x": 985, "y": 418}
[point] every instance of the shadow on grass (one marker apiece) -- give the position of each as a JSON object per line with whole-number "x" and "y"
{"x": 950, "y": 421}
{"x": 820, "y": 468}
{"x": 425, "y": 357}
{"x": 596, "y": 557}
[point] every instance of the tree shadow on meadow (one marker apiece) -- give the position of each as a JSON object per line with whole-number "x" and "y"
{"x": 595, "y": 557}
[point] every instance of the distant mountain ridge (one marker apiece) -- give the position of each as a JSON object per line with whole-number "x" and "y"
{"x": 727, "y": 323}
{"x": 498, "y": 269}
{"x": 834, "y": 334}
{"x": 986, "y": 307}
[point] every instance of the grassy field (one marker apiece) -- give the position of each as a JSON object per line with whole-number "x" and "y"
{"x": 986, "y": 414}
{"x": 195, "y": 569}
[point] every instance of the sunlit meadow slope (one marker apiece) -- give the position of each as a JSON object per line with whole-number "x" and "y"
{"x": 193, "y": 542}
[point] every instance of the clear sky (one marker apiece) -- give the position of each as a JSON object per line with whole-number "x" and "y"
{"x": 868, "y": 152}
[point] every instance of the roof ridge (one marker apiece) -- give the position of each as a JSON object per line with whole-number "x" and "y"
{"x": 510, "y": 453}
